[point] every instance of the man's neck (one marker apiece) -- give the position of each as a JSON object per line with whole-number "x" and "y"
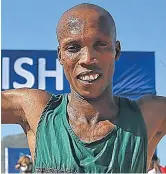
{"x": 105, "y": 107}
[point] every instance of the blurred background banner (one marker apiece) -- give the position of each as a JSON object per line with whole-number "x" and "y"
{"x": 134, "y": 72}
{"x": 12, "y": 155}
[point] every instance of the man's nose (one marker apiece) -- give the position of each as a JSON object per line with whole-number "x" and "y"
{"x": 88, "y": 56}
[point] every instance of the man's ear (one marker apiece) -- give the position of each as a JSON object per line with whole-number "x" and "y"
{"x": 118, "y": 50}
{"x": 59, "y": 55}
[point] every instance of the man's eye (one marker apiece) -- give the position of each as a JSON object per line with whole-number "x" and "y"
{"x": 73, "y": 48}
{"x": 101, "y": 44}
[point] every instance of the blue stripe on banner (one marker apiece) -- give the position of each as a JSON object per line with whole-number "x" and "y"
{"x": 134, "y": 72}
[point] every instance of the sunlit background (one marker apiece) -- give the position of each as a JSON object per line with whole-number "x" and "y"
{"x": 141, "y": 26}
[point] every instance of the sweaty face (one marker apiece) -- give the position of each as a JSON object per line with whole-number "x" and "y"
{"x": 87, "y": 52}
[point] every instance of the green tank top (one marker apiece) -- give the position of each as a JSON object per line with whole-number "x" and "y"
{"x": 59, "y": 149}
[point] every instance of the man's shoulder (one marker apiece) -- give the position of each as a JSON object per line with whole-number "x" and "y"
{"x": 26, "y": 96}
{"x": 151, "y": 100}
{"x": 152, "y": 105}
{"x": 29, "y": 93}
{"x": 37, "y": 95}
{"x": 153, "y": 109}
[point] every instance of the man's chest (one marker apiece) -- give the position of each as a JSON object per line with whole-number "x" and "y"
{"x": 90, "y": 133}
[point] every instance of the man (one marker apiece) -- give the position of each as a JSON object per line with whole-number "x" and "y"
{"x": 88, "y": 130}
{"x": 24, "y": 164}
{"x": 154, "y": 166}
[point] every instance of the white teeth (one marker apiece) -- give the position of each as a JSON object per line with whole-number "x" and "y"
{"x": 89, "y": 77}
{"x": 86, "y": 77}
{"x": 96, "y": 76}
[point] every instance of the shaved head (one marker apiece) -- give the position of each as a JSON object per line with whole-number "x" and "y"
{"x": 87, "y": 42}
{"x": 74, "y": 20}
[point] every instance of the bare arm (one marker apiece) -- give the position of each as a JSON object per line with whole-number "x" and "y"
{"x": 153, "y": 109}
{"x": 22, "y": 105}
{"x": 154, "y": 112}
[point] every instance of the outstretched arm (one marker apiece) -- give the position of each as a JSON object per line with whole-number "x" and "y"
{"x": 153, "y": 109}
{"x": 12, "y": 110}
{"x": 22, "y": 105}
{"x": 154, "y": 112}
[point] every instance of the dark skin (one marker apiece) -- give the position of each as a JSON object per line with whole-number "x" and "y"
{"x": 87, "y": 47}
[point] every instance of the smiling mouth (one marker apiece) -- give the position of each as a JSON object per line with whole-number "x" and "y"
{"x": 89, "y": 77}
